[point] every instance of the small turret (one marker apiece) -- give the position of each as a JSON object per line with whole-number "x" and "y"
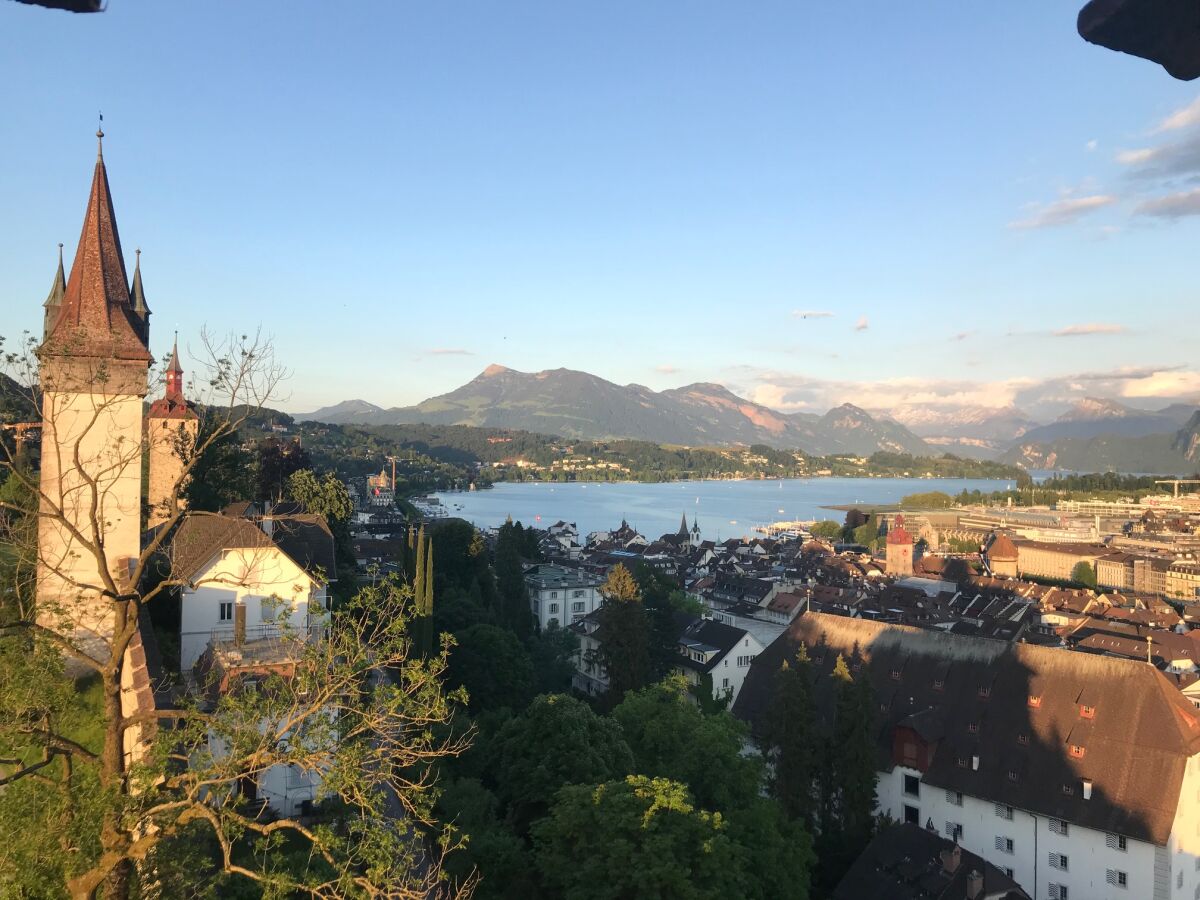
{"x": 137, "y": 297}
{"x": 54, "y": 301}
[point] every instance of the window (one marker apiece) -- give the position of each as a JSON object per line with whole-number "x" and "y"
{"x": 1004, "y": 812}
{"x": 226, "y": 611}
{"x": 554, "y": 595}
{"x": 578, "y": 607}
{"x": 953, "y": 830}
{"x": 1068, "y": 789}
{"x": 895, "y": 673}
{"x": 1035, "y": 701}
{"x": 1077, "y": 751}
{"x": 1007, "y": 871}
{"x": 724, "y": 682}
{"x": 1004, "y": 844}
{"x": 744, "y": 661}
{"x": 1058, "y": 861}
{"x": 984, "y": 691}
{"x": 973, "y": 727}
{"x": 1058, "y": 891}
{"x": 962, "y": 762}
{"x": 1088, "y": 712}
{"x": 1059, "y": 826}
{"x": 1023, "y": 739}
{"x": 912, "y": 785}
{"x": 1014, "y": 775}
{"x": 576, "y": 593}
{"x": 553, "y": 607}
{"x": 912, "y": 815}
{"x": 954, "y": 798}
{"x": 939, "y": 685}
{"x": 1116, "y": 877}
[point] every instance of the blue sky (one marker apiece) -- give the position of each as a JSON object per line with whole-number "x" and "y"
{"x": 977, "y": 206}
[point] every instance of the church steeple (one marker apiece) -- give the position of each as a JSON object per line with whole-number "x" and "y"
{"x": 683, "y": 529}
{"x": 96, "y": 319}
{"x": 54, "y": 300}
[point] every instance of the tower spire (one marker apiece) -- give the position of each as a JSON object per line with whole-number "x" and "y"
{"x": 55, "y": 298}
{"x": 96, "y": 318}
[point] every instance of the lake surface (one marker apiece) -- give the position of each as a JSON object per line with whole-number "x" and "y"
{"x": 725, "y": 509}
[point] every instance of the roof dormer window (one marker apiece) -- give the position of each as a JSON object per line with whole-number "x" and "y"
{"x": 1077, "y": 751}
{"x": 1035, "y": 701}
{"x": 1087, "y": 712}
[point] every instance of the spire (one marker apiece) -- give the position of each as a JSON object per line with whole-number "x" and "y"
{"x": 175, "y": 373}
{"x": 54, "y": 299}
{"x": 137, "y": 295}
{"x": 683, "y": 529}
{"x": 97, "y": 319}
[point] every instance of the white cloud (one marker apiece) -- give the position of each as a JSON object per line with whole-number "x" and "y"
{"x": 1064, "y": 211}
{"x": 811, "y": 314}
{"x": 1092, "y": 145}
{"x": 1135, "y": 157}
{"x": 1184, "y": 117}
{"x": 1090, "y": 328}
{"x": 862, "y": 324}
{"x": 1172, "y": 206}
{"x": 666, "y": 369}
{"x": 450, "y": 351}
{"x": 1168, "y": 383}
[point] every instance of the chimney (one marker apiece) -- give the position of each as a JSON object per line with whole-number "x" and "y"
{"x": 1087, "y": 789}
{"x": 975, "y": 763}
{"x": 239, "y": 623}
{"x": 974, "y": 885}
{"x": 951, "y": 859}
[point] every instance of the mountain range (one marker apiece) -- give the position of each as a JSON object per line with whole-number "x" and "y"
{"x": 1095, "y": 434}
{"x": 578, "y": 405}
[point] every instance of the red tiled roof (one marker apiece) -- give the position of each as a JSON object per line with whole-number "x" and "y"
{"x": 96, "y": 319}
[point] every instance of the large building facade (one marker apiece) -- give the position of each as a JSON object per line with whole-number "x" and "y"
{"x": 1078, "y": 774}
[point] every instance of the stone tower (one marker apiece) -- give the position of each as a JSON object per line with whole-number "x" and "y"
{"x": 171, "y": 428}
{"x": 899, "y": 549}
{"x": 93, "y": 367}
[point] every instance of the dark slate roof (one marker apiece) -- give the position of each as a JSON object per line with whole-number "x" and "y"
{"x": 309, "y": 542}
{"x": 907, "y": 862}
{"x": 1135, "y": 748}
{"x": 708, "y": 633}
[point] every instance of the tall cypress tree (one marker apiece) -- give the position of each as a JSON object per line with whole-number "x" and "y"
{"x": 419, "y": 576}
{"x": 510, "y": 582}
{"x": 426, "y": 602}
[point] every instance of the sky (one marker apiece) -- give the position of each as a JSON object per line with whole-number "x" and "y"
{"x": 902, "y": 206}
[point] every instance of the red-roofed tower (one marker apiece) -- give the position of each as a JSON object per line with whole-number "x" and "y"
{"x": 899, "y": 549}
{"x": 171, "y": 428}
{"x": 93, "y": 365}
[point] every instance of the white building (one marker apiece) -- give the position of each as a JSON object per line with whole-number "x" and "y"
{"x": 241, "y": 578}
{"x": 560, "y": 596}
{"x": 1078, "y": 774}
{"x": 709, "y": 649}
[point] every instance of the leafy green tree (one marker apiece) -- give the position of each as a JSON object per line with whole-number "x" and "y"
{"x": 553, "y": 653}
{"x": 500, "y": 859}
{"x": 855, "y": 518}
{"x": 276, "y": 463}
{"x": 493, "y": 666}
{"x": 1084, "y": 574}
{"x": 225, "y": 473}
{"x": 793, "y": 745}
{"x": 927, "y": 500}
{"x": 671, "y": 738}
{"x": 661, "y": 599}
{"x": 640, "y": 837}
{"x": 867, "y": 534}
{"x": 556, "y": 741}
{"x": 826, "y": 529}
{"x": 624, "y": 634}
{"x": 775, "y": 855}
{"x": 326, "y": 495}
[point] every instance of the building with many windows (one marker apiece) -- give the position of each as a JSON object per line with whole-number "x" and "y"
{"x": 560, "y": 596}
{"x": 1077, "y": 774}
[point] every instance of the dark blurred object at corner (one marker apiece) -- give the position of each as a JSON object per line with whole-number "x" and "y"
{"x": 1164, "y": 31}
{"x": 80, "y": 6}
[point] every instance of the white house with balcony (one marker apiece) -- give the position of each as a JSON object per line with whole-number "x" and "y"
{"x": 256, "y": 576}
{"x": 560, "y": 596}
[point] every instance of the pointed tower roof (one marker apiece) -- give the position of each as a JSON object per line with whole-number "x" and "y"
{"x": 173, "y": 366}
{"x": 59, "y": 287}
{"x": 683, "y": 529}
{"x": 137, "y": 295}
{"x": 96, "y": 318}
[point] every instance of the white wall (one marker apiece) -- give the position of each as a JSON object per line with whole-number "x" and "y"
{"x": 245, "y": 576}
{"x": 541, "y": 604}
{"x": 728, "y": 675}
{"x": 1089, "y": 857}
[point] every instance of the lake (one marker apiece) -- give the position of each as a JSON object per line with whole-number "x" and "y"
{"x": 725, "y": 509}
